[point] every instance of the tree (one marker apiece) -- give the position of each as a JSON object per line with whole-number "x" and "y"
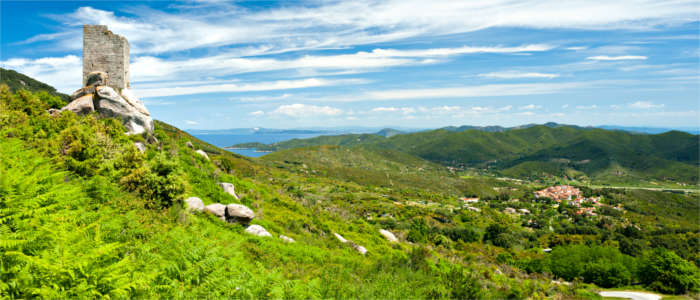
{"x": 666, "y": 272}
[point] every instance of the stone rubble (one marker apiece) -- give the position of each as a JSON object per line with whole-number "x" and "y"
{"x": 257, "y": 230}
{"x": 229, "y": 188}
{"x": 388, "y": 235}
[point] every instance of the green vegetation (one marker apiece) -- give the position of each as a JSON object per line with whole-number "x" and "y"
{"x": 17, "y": 81}
{"x": 536, "y": 152}
{"x": 83, "y": 213}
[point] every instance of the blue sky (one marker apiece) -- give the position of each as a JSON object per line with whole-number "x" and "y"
{"x": 417, "y": 64}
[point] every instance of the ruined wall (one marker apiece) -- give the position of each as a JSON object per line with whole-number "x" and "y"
{"x": 107, "y": 52}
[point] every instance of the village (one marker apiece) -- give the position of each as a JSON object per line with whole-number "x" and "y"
{"x": 555, "y": 195}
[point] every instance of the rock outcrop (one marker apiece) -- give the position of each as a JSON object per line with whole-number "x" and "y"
{"x": 232, "y": 213}
{"x": 202, "y": 153}
{"x": 357, "y": 247}
{"x": 340, "y": 238}
{"x": 239, "y": 213}
{"x": 388, "y": 235}
{"x": 229, "y": 188}
{"x": 287, "y": 239}
{"x": 194, "y": 203}
{"x": 217, "y": 209}
{"x": 97, "y": 96}
{"x": 140, "y": 146}
{"x": 257, "y": 230}
{"x": 352, "y": 244}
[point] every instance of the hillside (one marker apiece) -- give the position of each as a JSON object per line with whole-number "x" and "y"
{"x": 535, "y": 151}
{"x": 17, "y": 81}
{"x": 334, "y": 140}
{"x": 84, "y": 213}
{"x": 380, "y": 168}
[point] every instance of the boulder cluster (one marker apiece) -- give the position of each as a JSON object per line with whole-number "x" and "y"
{"x": 352, "y": 244}
{"x": 231, "y": 213}
{"x": 97, "y": 96}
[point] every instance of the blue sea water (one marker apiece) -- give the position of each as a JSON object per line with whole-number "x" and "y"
{"x": 226, "y": 140}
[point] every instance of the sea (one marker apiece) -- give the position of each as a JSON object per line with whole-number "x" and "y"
{"x": 226, "y": 140}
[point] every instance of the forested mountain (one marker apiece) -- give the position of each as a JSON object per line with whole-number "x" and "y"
{"x": 18, "y": 81}
{"x": 526, "y": 152}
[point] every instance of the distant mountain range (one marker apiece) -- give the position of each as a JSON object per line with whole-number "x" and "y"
{"x": 389, "y": 132}
{"x": 525, "y": 151}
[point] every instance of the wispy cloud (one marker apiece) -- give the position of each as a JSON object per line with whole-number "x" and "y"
{"x": 297, "y": 110}
{"x": 262, "y": 98}
{"x": 243, "y": 87}
{"x": 190, "y": 122}
{"x": 530, "y": 107}
{"x": 644, "y": 105}
{"x": 64, "y": 73}
{"x": 314, "y": 25}
{"x": 621, "y": 57}
{"x": 472, "y": 91}
{"x": 257, "y": 113}
{"x": 518, "y": 75}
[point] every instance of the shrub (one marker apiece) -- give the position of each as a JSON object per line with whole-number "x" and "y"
{"x": 465, "y": 234}
{"x": 666, "y": 272}
{"x": 418, "y": 232}
{"x": 607, "y": 275}
{"x": 499, "y": 235}
{"x": 160, "y": 183}
{"x": 604, "y": 266}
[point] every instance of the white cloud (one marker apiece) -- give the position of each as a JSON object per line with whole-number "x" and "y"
{"x": 518, "y": 74}
{"x": 644, "y": 105}
{"x": 564, "y": 106}
{"x": 317, "y": 25}
{"x": 245, "y": 87}
{"x": 576, "y": 48}
{"x": 456, "y": 51}
{"x": 64, "y": 73}
{"x": 584, "y": 107}
{"x": 257, "y": 113}
{"x": 526, "y": 113}
{"x": 154, "y": 68}
{"x": 530, "y": 107}
{"x": 263, "y": 98}
{"x": 621, "y": 57}
{"x": 190, "y": 122}
{"x": 469, "y": 91}
{"x": 384, "y": 109}
{"x": 305, "y": 110}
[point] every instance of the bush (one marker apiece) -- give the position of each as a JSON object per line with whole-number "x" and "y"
{"x": 465, "y": 234}
{"x": 418, "y": 232}
{"x": 666, "y": 272}
{"x": 499, "y": 235}
{"x": 160, "y": 183}
{"x": 607, "y": 275}
{"x": 604, "y": 266}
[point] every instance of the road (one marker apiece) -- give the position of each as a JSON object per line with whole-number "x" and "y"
{"x": 630, "y": 295}
{"x": 686, "y": 191}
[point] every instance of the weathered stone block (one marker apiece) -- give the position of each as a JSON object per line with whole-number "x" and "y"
{"x": 106, "y": 52}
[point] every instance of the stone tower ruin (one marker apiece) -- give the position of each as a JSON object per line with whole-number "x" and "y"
{"x": 106, "y": 52}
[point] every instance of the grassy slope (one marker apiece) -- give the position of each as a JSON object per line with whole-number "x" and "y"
{"x": 72, "y": 228}
{"x": 379, "y": 167}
